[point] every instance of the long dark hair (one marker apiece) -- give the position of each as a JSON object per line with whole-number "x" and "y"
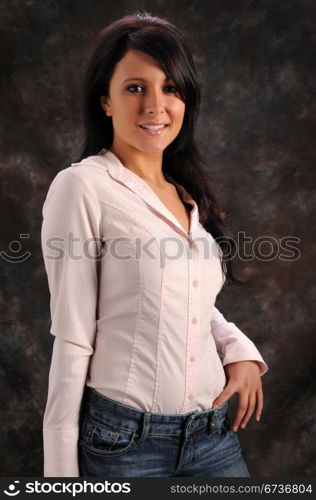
{"x": 182, "y": 161}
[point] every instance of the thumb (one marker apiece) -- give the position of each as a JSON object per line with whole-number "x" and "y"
{"x": 222, "y": 398}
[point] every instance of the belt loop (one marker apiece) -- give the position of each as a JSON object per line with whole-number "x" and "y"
{"x": 212, "y": 422}
{"x": 145, "y": 429}
{"x": 185, "y": 434}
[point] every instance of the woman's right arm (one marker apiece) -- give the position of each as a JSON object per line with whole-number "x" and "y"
{"x": 70, "y": 244}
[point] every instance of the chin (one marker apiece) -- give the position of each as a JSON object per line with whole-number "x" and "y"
{"x": 153, "y": 149}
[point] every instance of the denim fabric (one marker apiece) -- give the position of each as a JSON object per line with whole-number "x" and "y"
{"x": 116, "y": 440}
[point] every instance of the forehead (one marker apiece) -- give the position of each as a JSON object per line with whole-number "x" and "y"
{"x": 137, "y": 64}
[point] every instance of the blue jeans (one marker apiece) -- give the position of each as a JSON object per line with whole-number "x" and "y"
{"x": 116, "y": 440}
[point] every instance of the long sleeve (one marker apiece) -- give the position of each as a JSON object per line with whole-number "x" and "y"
{"x": 70, "y": 244}
{"x": 232, "y": 344}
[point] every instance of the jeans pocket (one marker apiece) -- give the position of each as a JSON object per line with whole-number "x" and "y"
{"x": 104, "y": 438}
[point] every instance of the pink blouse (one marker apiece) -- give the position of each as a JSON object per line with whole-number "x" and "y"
{"x": 132, "y": 303}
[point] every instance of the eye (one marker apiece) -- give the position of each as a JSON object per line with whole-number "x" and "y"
{"x": 173, "y": 90}
{"x": 133, "y": 86}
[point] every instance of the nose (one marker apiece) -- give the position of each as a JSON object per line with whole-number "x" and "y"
{"x": 154, "y": 101}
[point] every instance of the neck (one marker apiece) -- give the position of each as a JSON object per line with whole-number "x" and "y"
{"x": 146, "y": 166}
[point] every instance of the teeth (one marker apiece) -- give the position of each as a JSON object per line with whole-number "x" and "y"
{"x": 153, "y": 127}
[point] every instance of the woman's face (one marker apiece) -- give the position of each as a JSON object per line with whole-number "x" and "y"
{"x": 139, "y": 93}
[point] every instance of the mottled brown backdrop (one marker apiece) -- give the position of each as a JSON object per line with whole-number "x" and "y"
{"x": 256, "y": 64}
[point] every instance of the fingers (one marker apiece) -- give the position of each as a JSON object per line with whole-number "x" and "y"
{"x": 259, "y": 403}
{"x": 227, "y": 393}
{"x": 242, "y": 408}
{"x": 248, "y": 401}
{"x": 250, "y": 410}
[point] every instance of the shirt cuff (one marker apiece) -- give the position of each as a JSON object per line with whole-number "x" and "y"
{"x": 244, "y": 352}
{"x": 61, "y": 452}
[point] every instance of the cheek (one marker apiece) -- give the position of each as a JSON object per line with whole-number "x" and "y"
{"x": 178, "y": 112}
{"x": 125, "y": 107}
{"x": 124, "y": 116}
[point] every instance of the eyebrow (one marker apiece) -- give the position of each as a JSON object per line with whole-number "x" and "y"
{"x": 143, "y": 79}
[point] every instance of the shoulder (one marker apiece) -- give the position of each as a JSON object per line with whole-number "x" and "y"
{"x": 86, "y": 179}
{"x": 90, "y": 172}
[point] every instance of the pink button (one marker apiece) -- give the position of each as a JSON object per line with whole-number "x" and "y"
{"x": 195, "y": 283}
{"x": 192, "y": 358}
{"x": 190, "y": 396}
{"x": 194, "y": 320}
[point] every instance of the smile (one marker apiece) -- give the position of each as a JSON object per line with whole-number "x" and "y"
{"x": 153, "y": 129}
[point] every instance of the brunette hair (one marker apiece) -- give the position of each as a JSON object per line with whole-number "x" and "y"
{"x": 182, "y": 161}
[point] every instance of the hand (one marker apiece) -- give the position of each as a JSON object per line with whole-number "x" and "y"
{"x": 243, "y": 377}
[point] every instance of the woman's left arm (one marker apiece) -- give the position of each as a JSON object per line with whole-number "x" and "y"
{"x": 232, "y": 344}
{"x": 243, "y": 365}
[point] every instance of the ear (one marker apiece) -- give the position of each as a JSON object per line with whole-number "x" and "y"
{"x": 105, "y": 105}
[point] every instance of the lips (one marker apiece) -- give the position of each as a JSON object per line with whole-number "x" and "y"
{"x": 153, "y": 126}
{"x": 153, "y": 129}
{"x": 154, "y": 123}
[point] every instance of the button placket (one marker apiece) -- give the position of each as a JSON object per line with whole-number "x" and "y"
{"x": 193, "y": 328}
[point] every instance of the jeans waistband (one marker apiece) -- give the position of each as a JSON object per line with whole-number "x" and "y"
{"x": 105, "y": 409}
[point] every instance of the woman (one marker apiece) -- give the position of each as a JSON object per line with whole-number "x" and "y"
{"x": 137, "y": 385}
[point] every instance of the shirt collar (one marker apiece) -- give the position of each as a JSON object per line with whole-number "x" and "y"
{"x": 139, "y": 186}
